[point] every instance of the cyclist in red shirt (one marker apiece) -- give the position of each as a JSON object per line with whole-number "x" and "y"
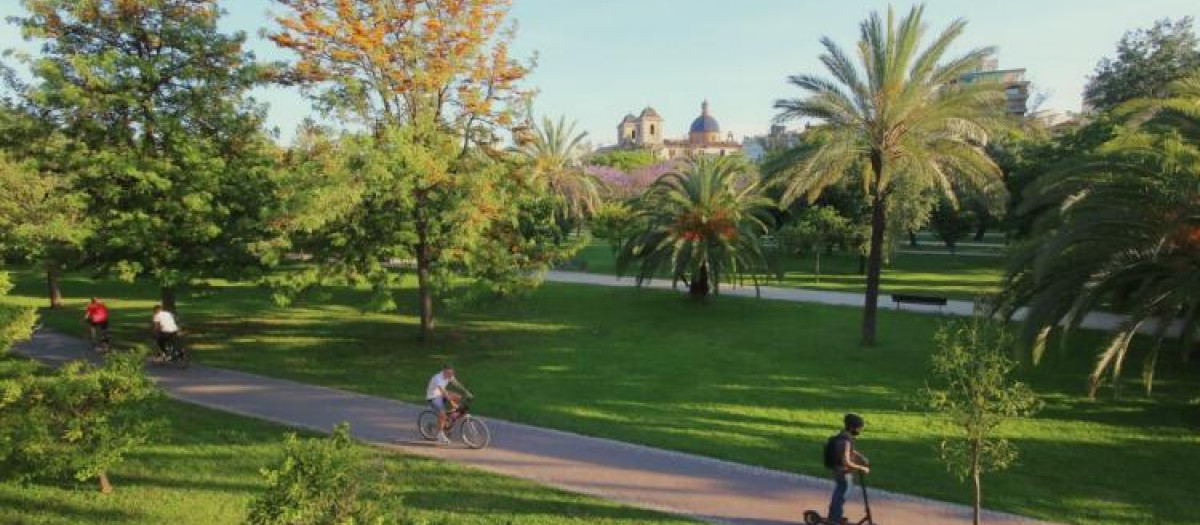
{"x": 97, "y": 319}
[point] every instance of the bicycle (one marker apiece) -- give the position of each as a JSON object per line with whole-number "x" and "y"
{"x": 173, "y": 353}
{"x": 101, "y": 343}
{"x": 472, "y": 430}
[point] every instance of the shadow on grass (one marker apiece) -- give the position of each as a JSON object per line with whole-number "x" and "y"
{"x": 483, "y": 503}
{"x": 62, "y": 511}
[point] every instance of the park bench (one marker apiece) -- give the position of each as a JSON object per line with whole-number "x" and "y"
{"x": 939, "y": 302}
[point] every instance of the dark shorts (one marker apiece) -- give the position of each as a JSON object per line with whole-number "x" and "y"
{"x": 103, "y": 325}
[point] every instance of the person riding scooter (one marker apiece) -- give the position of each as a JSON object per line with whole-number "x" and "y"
{"x": 843, "y": 460}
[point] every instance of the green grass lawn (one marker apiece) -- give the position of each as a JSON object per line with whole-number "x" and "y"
{"x": 959, "y": 277}
{"x": 204, "y": 466}
{"x": 758, "y": 382}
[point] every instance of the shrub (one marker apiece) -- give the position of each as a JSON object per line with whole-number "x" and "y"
{"x": 80, "y": 419}
{"x": 317, "y": 482}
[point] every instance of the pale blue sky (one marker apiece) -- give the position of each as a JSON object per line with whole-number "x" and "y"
{"x": 601, "y": 59}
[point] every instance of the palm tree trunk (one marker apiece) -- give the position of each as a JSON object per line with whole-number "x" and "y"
{"x": 874, "y": 269}
{"x": 52, "y": 284}
{"x": 698, "y": 289}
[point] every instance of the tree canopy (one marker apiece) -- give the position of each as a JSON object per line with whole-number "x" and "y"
{"x": 1146, "y": 63}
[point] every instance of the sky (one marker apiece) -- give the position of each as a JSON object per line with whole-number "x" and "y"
{"x": 600, "y": 59}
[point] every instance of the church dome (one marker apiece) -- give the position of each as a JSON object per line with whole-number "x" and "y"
{"x": 705, "y": 123}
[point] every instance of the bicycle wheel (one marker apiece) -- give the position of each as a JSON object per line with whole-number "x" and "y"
{"x": 475, "y": 433}
{"x": 183, "y": 357}
{"x": 427, "y": 425}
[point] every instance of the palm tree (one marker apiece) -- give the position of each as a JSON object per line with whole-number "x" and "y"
{"x": 905, "y": 113}
{"x": 703, "y": 222}
{"x": 1119, "y": 228}
{"x": 555, "y": 151}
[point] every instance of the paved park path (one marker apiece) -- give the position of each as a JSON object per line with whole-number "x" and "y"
{"x": 703, "y": 488}
{"x": 1094, "y": 320}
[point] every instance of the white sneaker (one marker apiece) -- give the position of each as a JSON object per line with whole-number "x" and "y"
{"x": 442, "y": 439}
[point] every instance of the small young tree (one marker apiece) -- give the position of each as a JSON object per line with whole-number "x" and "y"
{"x": 80, "y": 419}
{"x": 951, "y": 223}
{"x": 615, "y": 222}
{"x": 817, "y": 230}
{"x": 317, "y": 482}
{"x": 972, "y": 387}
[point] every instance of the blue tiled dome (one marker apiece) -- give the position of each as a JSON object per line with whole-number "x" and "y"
{"x": 705, "y": 123}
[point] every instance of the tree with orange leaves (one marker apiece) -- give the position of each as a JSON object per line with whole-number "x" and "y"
{"x": 432, "y": 84}
{"x": 397, "y": 62}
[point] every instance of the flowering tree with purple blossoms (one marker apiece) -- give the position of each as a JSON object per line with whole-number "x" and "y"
{"x": 620, "y": 185}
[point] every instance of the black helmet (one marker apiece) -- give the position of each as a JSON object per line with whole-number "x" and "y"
{"x": 854, "y": 421}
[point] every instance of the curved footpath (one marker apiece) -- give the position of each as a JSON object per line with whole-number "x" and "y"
{"x": 703, "y": 488}
{"x": 1094, "y": 320}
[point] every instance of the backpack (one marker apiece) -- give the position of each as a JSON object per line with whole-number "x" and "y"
{"x": 832, "y": 459}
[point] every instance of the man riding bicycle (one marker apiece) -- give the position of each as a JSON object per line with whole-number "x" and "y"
{"x": 166, "y": 330}
{"x": 96, "y": 316}
{"x": 438, "y": 395}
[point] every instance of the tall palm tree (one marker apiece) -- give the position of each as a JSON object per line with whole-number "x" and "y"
{"x": 905, "y": 113}
{"x": 704, "y": 223}
{"x": 1120, "y": 228}
{"x": 555, "y": 151}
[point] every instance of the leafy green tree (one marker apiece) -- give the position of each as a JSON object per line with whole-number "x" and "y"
{"x": 902, "y": 114}
{"x": 554, "y": 153}
{"x": 909, "y": 209}
{"x": 817, "y": 229}
{"x": 615, "y": 222}
{"x": 420, "y": 77}
{"x": 1119, "y": 229}
{"x": 316, "y": 482}
{"x": 168, "y": 147}
{"x": 41, "y": 219}
{"x": 42, "y": 216}
{"x": 971, "y": 385}
{"x": 951, "y": 223}
{"x": 1147, "y": 62}
{"x": 626, "y": 160}
{"x": 79, "y": 420}
{"x": 704, "y": 224}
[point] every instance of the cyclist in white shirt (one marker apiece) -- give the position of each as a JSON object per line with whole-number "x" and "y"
{"x": 438, "y": 395}
{"x": 165, "y": 329}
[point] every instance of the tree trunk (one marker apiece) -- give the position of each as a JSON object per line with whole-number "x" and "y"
{"x": 167, "y": 294}
{"x": 874, "y": 268}
{"x": 981, "y": 230}
{"x": 425, "y": 296}
{"x": 52, "y": 283}
{"x": 698, "y": 289}
{"x": 912, "y": 239}
{"x": 862, "y": 265}
{"x": 105, "y": 486}
{"x": 978, "y": 485}
{"x": 818, "y": 269}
